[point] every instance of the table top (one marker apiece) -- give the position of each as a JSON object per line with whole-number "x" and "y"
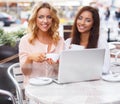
{"x": 91, "y": 92}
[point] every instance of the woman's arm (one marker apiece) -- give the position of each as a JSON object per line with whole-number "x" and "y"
{"x": 102, "y": 43}
{"x": 27, "y": 65}
{"x": 26, "y": 57}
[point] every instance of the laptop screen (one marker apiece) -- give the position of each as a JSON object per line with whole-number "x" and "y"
{"x": 80, "y": 65}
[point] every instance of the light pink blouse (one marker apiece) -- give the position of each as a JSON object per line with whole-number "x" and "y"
{"x": 39, "y": 68}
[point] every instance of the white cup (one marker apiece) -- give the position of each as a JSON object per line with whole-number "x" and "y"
{"x": 53, "y": 56}
{"x": 76, "y": 47}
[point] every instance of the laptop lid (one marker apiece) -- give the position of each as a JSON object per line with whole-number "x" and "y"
{"x": 80, "y": 65}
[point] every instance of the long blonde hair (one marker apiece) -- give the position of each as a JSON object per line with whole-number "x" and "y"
{"x": 32, "y": 26}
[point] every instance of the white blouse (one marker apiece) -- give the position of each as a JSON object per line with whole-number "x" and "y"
{"x": 102, "y": 43}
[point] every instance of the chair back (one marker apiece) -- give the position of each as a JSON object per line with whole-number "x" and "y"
{"x": 9, "y": 94}
{"x": 16, "y": 76}
{"x": 67, "y": 31}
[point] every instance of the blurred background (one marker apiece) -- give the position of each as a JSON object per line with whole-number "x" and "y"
{"x": 14, "y": 15}
{"x": 18, "y": 11}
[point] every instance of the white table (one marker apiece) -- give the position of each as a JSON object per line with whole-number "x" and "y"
{"x": 94, "y": 92}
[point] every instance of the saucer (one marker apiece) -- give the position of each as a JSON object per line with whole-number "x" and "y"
{"x": 112, "y": 77}
{"x": 40, "y": 81}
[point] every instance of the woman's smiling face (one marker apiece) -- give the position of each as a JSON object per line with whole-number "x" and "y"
{"x": 44, "y": 19}
{"x": 84, "y": 22}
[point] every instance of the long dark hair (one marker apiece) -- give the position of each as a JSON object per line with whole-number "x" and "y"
{"x": 94, "y": 32}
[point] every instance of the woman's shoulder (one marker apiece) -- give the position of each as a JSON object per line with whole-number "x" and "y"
{"x": 102, "y": 42}
{"x": 67, "y": 43}
{"x": 25, "y": 37}
{"x": 68, "y": 40}
{"x": 61, "y": 38}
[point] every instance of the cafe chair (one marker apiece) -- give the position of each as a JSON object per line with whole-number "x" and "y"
{"x": 16, "y": 76}
{"x": 10, "y": 100}
{"x": 67, "y": 31}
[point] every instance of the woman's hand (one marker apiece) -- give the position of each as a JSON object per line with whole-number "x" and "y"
{"x": 37, "y": 57}
{"x": 50, "y": 61}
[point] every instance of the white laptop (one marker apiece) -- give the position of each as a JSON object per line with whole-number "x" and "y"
{"x": 80, "y": 65}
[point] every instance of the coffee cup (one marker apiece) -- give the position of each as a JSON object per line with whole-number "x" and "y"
{"x": 53, "y": 56}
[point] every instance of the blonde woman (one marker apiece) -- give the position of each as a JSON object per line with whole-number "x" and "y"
{"x": 42, "y": 38}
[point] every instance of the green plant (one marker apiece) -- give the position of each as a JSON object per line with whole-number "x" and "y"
{"x": 1, "y": 31}
{"x": 1, "y": 35}
{"x": 11, "y": 38}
